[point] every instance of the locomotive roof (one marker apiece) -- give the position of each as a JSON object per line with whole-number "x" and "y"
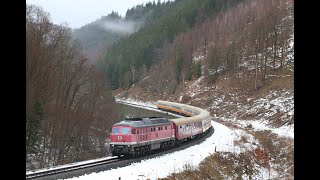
{"x": 144, "y": 122}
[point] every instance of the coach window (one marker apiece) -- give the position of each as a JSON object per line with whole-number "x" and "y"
{"x": 137, "y": 131}
{"x": 158, "y": 128}
{"x": 165, "y": 128}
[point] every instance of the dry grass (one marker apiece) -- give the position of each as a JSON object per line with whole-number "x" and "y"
{"x": 275, "y": 153}
{"x": 221, "y": 165}
{"x": 280, "y": 150}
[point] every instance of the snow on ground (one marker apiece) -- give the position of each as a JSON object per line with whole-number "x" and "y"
{"x": 263, "y": 108}
{"x": 287, "y": 131}
{"x": 221, "y": 141}
{"x": 275, "y": 102}
{"x": 195, "y": 88}
{"x": 164, "y": 165}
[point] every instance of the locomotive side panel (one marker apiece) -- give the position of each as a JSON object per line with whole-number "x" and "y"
{"x": 153, "y": 133}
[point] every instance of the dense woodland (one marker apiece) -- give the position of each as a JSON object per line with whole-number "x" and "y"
{"x": 225, "y": 31}
{"x": 130, "y": 59}
{"x": 99, "y": 35}
{"x": 69, "y": 107}
{"x": 248, "y": 41}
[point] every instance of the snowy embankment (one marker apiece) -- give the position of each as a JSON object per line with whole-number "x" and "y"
{"x": 224, "y": 139}
{"x": 275, "y": 108}
{"x": 286, "y": 131}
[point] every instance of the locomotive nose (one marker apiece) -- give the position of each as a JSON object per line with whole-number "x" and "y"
{"x": 121, "y": 138}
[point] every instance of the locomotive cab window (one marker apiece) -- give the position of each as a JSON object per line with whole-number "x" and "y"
{"x": 125, "y": 130}
{"x": 132, "y": 131}
{"x": 116, "y": 130}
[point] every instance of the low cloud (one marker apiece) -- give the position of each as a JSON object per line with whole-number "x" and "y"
{"x": 120, "y": 26}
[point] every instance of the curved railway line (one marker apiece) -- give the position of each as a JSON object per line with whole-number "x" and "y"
{"x": 106, "y": 164}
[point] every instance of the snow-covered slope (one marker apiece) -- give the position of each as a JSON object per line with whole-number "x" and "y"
{"x": 222, "y": 141}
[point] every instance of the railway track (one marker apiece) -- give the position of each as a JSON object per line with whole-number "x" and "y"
{"x": 152, "y": 109}
{"x": 69, "y": 168}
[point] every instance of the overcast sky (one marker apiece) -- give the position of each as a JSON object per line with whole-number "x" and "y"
{"x": 80, "y": 12}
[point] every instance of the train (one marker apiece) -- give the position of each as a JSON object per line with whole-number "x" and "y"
{"x": 134, "y": 137}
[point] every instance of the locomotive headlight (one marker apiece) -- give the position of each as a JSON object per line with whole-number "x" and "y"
{"x": 128, "y": 145}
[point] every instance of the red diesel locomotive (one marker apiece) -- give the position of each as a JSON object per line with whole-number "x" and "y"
{"x": 136, "y": 136}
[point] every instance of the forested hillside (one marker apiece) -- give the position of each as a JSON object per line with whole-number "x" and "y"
{"x": 99, "y": 35}
{"x": 248, "y": 41}
{"x": 95, "y": 37}
{"x": 130, "y": 59}
{"x": 244, "y": 50}
{"x": 69, "y": 107}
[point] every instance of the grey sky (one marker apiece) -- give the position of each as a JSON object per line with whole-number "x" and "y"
{"x": 77, "y": 13}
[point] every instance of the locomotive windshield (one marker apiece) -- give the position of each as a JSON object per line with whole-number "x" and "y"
{"x": 116, "y": 130}
{"x": 125, "y": 130}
